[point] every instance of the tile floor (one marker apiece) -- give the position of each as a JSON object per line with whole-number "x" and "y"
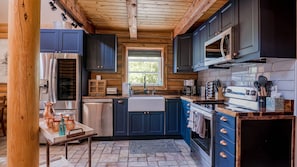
{"x": 114, "y": 154}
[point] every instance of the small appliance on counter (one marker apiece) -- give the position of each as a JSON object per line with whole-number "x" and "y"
{"x": 189, "y": 87}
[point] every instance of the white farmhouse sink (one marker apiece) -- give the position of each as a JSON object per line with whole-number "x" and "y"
{"x": 146, "y": 103}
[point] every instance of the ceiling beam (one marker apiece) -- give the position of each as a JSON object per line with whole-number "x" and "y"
{"x": 132, "y": 17}
{"x": 196, "y": 12}
{"x": 75, "y": 12}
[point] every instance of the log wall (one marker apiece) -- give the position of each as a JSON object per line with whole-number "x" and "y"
{"x": 174, "y": 81}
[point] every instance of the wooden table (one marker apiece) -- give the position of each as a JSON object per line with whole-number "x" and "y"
{"x": 80, "y": 132}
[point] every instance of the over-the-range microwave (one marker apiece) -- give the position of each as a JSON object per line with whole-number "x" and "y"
{"x": 219, "y": 49}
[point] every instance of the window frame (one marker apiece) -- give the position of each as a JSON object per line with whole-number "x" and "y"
{"x": 162, "y": 48}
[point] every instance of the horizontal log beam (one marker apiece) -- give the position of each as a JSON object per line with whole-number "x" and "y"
{"x": 195, "y": 12}
{"x": 75, "y": 12}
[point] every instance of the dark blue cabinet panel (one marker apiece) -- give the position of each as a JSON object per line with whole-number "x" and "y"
{"x": 186, "y": 132}
{"x": 155, "y": 123}
{"x": 146, "y": 123}
{"x": 183, "y": 53}
{"x": 173, "y": 117}
{"x": 49, "y": 40}
{"x": 120, "y": 117}
{"x": 101, "y": 52}
{"x": 61, "y": 41}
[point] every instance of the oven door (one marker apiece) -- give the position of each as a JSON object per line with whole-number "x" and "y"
{"x": 202, "y": 144}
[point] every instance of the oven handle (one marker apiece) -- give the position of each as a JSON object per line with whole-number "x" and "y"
{"x": 204, "y": 113}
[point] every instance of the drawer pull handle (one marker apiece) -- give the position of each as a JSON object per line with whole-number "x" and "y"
{"x": 224, "y": 131}
{"x": 223, "y": 119}
{"x": 223, "y": 155}
{"x": 223, "y": 142}
{"x": 120, "y": 101}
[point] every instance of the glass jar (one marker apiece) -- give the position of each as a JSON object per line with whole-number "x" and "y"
{"x": 70, "y": 123}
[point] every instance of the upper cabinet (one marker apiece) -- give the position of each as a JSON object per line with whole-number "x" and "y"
{"x": 61, "y": 41}
{"x": 221, "y": 20}
{"x": 183, "y": 53}
{"x": 101, "y": 52}
{"x": 200, "y": 35}
{"x": 266, "y": 28}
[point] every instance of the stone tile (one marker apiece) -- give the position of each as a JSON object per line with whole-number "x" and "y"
{"x": 115, "y": 154}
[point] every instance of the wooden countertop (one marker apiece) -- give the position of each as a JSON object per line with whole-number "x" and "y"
{"x": 222, "y": 109}
{"x": 120, "y": 97}
{"x": 194, "y": 99}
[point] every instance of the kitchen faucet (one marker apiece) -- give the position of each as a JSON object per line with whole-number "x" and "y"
{"x": 144, "y": 85}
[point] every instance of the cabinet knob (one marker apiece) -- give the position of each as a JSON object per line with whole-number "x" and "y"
{"x": 188, "y": 105}
{"x": 223, "y": 155}
{"x": 120, "y": 101}
{"x": 224, "y": 131}
{"x": 188, "y": 112}
{"x": 223, "y": 119}
{"x": 223, "y": 142}
{"x": 101, "y": 66}
{"x": 98, "y": 66}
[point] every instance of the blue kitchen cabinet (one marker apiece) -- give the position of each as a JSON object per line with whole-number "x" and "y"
{"x": 101, "y": 50}
{"x": 172, "y": 110}
{"x": 120, "y": 117}
{"x": 182, "y": 53}
{"x": 225, "y": 140}
{"x": 61, "y": 41}
{"x": 185, "y": 131}
{"x": 146, "y": 123}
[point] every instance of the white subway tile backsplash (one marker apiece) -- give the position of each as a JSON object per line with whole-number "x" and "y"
{"x": 285, "y": 65}
{"x": 283, "y": 75}
{"x": 280, "y": 71}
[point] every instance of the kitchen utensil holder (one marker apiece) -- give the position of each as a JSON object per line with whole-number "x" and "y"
{"x": 262, "y": 103}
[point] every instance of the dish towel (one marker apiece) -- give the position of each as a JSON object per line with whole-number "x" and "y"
{"x": 191, "y": 120}
{"x": 199, "y": 124}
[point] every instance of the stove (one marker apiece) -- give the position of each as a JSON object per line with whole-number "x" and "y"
{"x": 241, "y": 99}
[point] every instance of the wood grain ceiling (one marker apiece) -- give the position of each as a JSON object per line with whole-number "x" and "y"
{"x": 176, "y": 16}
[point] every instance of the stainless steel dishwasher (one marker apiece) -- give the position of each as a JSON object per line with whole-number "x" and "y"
{"x": 98, "y": 114}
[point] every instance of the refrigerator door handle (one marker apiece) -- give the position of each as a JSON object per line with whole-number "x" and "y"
{"x": 54, "y": 81}
{"x": 50, "y": 90}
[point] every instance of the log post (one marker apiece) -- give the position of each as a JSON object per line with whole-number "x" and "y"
{"x": 23, "y": 83}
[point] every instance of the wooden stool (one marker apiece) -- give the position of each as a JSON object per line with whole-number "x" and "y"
{"x": 3, "y": 106}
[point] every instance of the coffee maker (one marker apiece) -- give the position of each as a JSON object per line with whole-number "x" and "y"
{"x": 189, "y": 87}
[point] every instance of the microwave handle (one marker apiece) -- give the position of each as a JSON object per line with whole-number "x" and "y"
{"x": 222, "y": 46}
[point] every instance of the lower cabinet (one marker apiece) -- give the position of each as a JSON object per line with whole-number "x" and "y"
{"x": 120, "y": 117}
{"x": 172, "y": 117}
{"x": 185, "y": 131}
{"x": 146, "y": 123}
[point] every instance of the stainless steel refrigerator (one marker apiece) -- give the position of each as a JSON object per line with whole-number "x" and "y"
{"x": 60, "y": 77}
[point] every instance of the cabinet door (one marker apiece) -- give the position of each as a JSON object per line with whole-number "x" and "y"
{"x": 49, "y": 40}
{"x": 187, "y": 131}
{"x": 183, "y": 53}
{"x": 137, "y": 123}
{"x": 120, "y": 119}
{"x": 173, "y": 117}
{"x": 213, "y": 25}
{"x": 71, "y": 41}
{"x": 248, "y": 23}
{"x": 92, "y": 50}
{"x": 227, "y": 16}
{"x": 155, "y": 123}
{"x": 108, "y": 52}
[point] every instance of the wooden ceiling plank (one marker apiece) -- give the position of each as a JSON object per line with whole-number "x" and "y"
{"x": 132, "y": 15}
{"x": 194, "y": 13}
{"x": 73, "y": 9}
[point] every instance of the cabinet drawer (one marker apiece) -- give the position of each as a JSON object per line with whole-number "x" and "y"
{"x": 225, "y": 120}
{"x": 225, "y": 144}
{"x": 226, "y": 132}
{"x": 223, "y": 158}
